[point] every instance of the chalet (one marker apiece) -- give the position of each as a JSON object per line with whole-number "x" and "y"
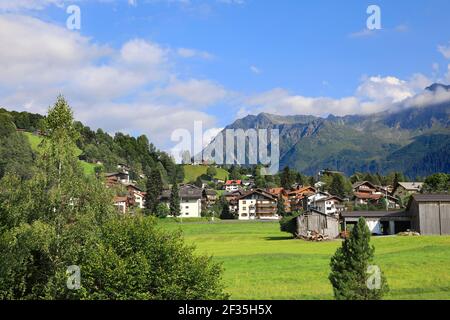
{"x": 404, "y": 189}
{"x": 118, "y": 177}
{"x": 330, "y": 205}
{"x": 233, "y": 199}
{"x": 430, "y": 213}
{"x": 136, "y": 194}
{"x": 209, "y": 198}
{"x": 281, "y": 192}
{"x": 296, "y": 197}
{"x": 364, "y": 187}
{"x": 313, "y": 198}
{"x": 190, "y": 200}
{"x": 233, "y": 185}
{"x": 122, "y": 203}
{"x": 257, "y": 204}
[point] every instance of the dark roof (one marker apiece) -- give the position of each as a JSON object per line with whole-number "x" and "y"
{"x": 261, "y": 192}
{"x": 374, "y": 214}
{"x": 185, "y": 191}
{"x": 210, "y": 192}
{"x": 431, "y": 197}
{"x": 360, "y": 183}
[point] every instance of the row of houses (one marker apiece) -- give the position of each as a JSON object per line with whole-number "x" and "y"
{"x": 425, "y": 213}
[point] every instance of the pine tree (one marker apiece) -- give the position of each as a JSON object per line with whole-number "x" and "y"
{"x": 226, "y": 214}
{"x": 174, "y": 200}
{"x": 337, "y": 186}
{"x": 287, "y": 178}
{"x": 154, "y": 190}
{"x": 281, "y": 209}
{"x": 350, "y": 265}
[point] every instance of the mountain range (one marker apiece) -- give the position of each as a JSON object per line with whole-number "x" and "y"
{"x": 413, "y": 138}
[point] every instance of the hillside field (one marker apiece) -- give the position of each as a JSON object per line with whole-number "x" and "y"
{"x": 35, "y": 140}
{"x": 261, "y": 262}
{"x": 191, "y": 173}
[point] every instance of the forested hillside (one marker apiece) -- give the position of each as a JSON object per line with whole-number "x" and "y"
{"x": 96, "y": 147}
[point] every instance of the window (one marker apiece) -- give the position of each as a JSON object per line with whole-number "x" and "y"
{"x": 244, "y": 202}
{"x": 187, "y": 213}
{"x": 187, "y": 207}
{"x": 244, "y": 208}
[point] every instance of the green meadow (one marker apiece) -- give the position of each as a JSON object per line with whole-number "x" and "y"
{"x": 191, "y": 173}
{"x": 88, "y": 168}
{"x": 261, "y": 262}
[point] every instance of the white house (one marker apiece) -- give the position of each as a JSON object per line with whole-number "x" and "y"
{"x": 328, "y": 205}
{"x": 233, "y": 185}
{"x": 190, "y": 200}
{"x": 319, "y": 195}
{"x": 257, "y": 204}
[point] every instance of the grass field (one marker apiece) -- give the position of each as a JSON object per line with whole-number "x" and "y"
{"x": 261, "y": 262}
{"x": 35, "y": 140}
{"x": 191, "y": 173}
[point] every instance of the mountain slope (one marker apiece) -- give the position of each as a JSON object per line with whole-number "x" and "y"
{"x": 414, "y": 140}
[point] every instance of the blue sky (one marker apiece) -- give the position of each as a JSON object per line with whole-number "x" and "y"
{"x": 216, "y": 60}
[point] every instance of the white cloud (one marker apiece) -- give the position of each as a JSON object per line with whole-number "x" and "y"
{"x": 389, "y": 89}
{"x": 445, "y": 51}
{"x": 194, "y": 92}
{"x": 362, "y": 33}
{"x": 16, "y": 5}
{"x": 192, "y": 53}
{"x": 374, "y": 94}
{"x": 134, "y": 88}
{"x": 255, "y": 70}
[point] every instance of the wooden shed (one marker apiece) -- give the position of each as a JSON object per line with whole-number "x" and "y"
{"x": 316, "y": 221}
{"x": 430, "y": 213}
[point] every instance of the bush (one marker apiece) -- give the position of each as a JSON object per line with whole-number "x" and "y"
{"x": 289, "y": 224}
{"x": 162, "y": 211}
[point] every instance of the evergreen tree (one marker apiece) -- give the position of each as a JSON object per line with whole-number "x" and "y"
{"x": 154, "y": 191}
{"x": 350, "y": 265}
{"x": 281, "y": 209}
{"x": 337, "y": 186}
{"x": 234, "y": 173}
{"x": 226, "y": 214}
{"x": 287, "y": 179}
{"x": 174, "y": 200}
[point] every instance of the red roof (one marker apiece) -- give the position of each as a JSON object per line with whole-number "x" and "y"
{"x": 229, "y": 182}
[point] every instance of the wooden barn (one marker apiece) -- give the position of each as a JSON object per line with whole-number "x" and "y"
{"x": 430, "y": 213}
{"x": 316, "y": 221}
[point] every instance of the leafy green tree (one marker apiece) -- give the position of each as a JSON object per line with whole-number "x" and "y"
{"x": 162, "y": 211}
{"x": 48, "y": 223}
{"x": 175, "y": 200}
{"x": 349, "y": 268}
{"x": 211, "y": 172}
{"x": 154, "y": 190}
{"x": 439, "y": 182}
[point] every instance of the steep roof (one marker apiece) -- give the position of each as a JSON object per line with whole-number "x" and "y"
{"x": 360, "y": 183}
{"x": 260, "y": 192}
{"x": 411, "y": 186}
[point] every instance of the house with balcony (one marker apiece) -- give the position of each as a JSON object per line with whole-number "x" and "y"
{"x": 257, "y": 204}
{"x": 190, "y": 200}
{"x": 331, "y": 205}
